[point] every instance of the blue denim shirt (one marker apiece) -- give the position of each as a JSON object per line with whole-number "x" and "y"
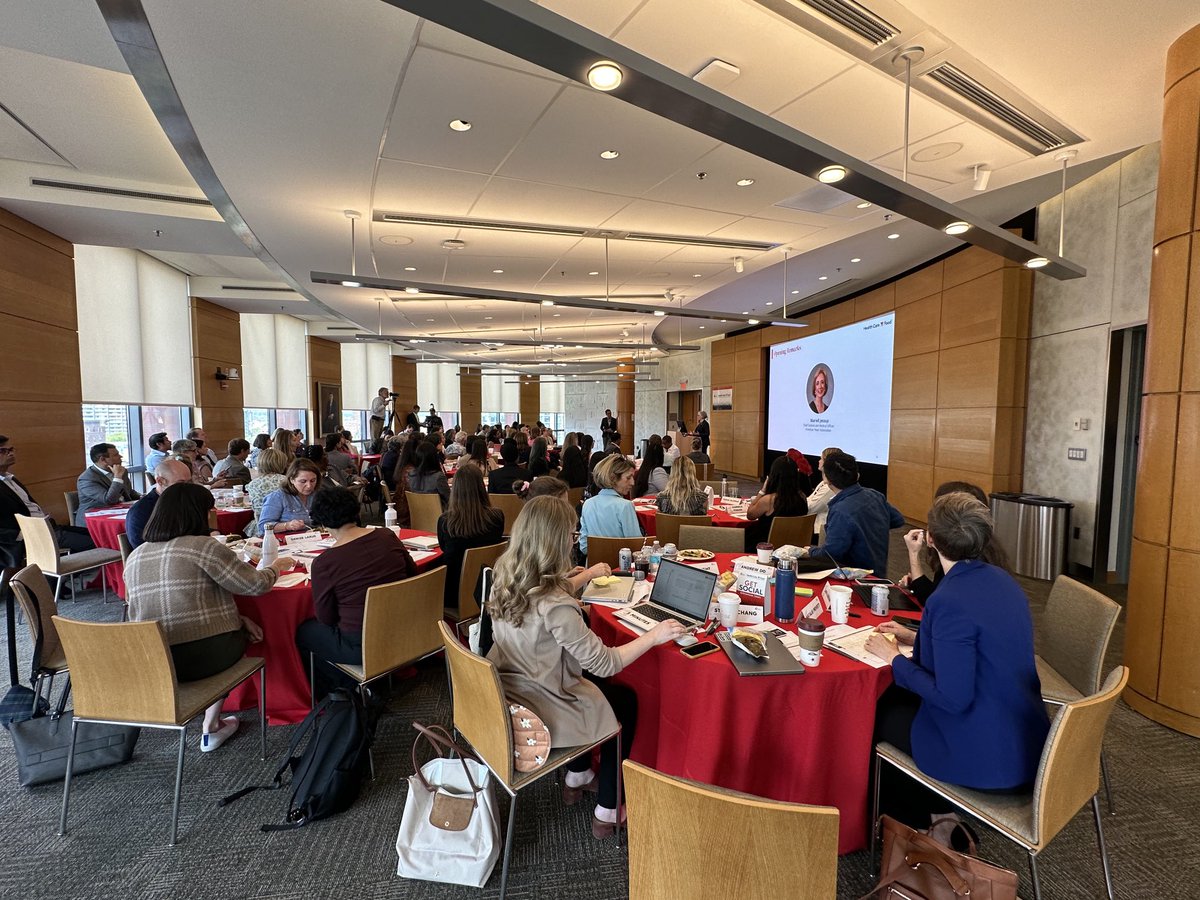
{"x": 608, "y": 514}
{"x": 856, "y": 531}
{"x": 280, "y": 506}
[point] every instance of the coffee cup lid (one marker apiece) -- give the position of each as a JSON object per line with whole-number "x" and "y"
{"x": 728, "y": 595}
{"x": 810, "y": 625}
{"x": 766, "y": 546}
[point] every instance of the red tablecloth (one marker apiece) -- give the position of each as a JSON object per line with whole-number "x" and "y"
{"x": 105, "y": 529}
{"x": 801, "y": 738}
{"x": 368, "y": 459}
{"x": 718, "y": 516}
{"x": 280, "y": 611}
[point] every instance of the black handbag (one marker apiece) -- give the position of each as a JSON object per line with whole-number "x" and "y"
{"x": 42, "y": 745}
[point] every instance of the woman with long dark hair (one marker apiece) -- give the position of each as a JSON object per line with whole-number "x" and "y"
{"x": 651, "y": 477}
{"x": 427, "y": 476}
{"x": 539, "y": 459}
{"x": 781, "y": 495}
{"x": 469, "y": 521}
{"x": 400, "y": 475}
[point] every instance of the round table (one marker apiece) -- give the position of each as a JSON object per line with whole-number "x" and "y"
{"x": 800, "y": 738}
{"x": 718, "y": 514}
{"x": 279, "y": 612}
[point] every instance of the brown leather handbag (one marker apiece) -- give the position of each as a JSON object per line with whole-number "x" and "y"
{"x": 916, "y": 867}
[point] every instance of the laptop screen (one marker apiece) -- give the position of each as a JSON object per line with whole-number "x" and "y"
{"x": 684, "y": 589}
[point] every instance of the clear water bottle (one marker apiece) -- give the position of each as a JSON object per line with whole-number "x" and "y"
{"x": 724, "y": 486}
{"x": 655, "y": 557}
{"x": 389, "y": 516}
{"x": 785, "y": 591}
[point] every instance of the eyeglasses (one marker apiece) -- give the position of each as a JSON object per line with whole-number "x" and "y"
{"x": 8, "y": 449}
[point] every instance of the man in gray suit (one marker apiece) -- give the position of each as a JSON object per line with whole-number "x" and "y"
{"x": 102, "y": 483}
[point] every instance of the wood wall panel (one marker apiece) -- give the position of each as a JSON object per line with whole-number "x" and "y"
{"x": 967, "y": 265}
{"x": 470, "y": 404}
{"x": 875, "y": 303}
{"x": 217, "y": 343}
{"x": 748, "y": 364}
{"x": 748, "y": 396}
{"x": 33, "y": 282}
{"x": 722, "y": 369}
{"x": 404, "y": 383}
{"x": 918, "y": 327}
{"x": 531, "y": 402}
{"x": 1164, "y": 342}
{"x": 1156, "y": 454}
{"x": 1190, "y": 380}
{"x": 837, "y": 316}
{"x": 970, "y": 375}
{"x": 910, "y": 488}
{"x": 1144, "y": 615}
{"x": 1185, "y": 509}
{"x": 913, "y": 433}
{"x": 966, "y": 439}
{"x": 915, "y": 382}
{"x": 920, "y": 284}
{"x": 1179, "y": 670}
{"x": 973, "y": 311}
{"x": 988, "y": 481}
{"x": 50, "y": 368}
{"x": 325, "y": 367}
{"x": 1177, "y": 161}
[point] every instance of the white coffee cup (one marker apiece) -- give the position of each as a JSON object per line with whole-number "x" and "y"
{"x": 765, "y": 551}
{"x": 728, "y": 605}
{"x": 839, "y": 602}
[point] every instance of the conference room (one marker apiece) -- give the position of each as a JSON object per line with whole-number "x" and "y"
{"x": 955, "y": 245}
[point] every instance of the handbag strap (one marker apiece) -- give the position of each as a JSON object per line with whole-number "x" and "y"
{"x": 916, "y": 858}
{"x": 440, "y": 739}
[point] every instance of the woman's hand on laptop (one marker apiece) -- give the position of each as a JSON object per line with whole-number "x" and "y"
{"x": 665, "y": 632}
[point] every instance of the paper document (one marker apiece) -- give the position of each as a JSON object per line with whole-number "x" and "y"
{"x": 851, "y": 642}
{"x": 419, "y": 556}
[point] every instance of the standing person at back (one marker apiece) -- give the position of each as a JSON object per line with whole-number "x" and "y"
{"x": 702, "y": 432}
{"x": 856, "y": 532}
{"x": 378, "y": 413}
{"x": 607, "y": 426}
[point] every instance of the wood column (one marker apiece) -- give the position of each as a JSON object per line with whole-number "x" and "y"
{"x": 530, "y": 399}
{"x": 217, "y": 344}
{"x": 470, "y": 398}
{"x": 404, "y": 383}
{"x": 1164, "y": 682}
{"x": 324, "y": 367}
{"x": 626, "y": 367}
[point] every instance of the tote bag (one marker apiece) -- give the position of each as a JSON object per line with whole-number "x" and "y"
{"x": 449, "y": 830}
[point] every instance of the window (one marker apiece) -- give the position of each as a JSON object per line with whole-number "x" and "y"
{"x": 289, "y": 418}
{"x": 129, "y": 427}
{"x": 554, "y": 421}
{"x": 256, "y": 422}
{"x": 355, "y": 422}
{"x": 109, "y": 424}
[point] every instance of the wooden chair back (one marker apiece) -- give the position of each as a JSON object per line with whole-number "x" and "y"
{"x": 666, "y": 528}
{"x": 41, "y": 549}
{"x": 797, "y": 530}
{"x": 424, "y": 510}
{"x": 480, "y": 708}
{"x": 400, "y": 621}
{"x": 474, "y": 561}
{"x": 509, "y": 504}
{"x": 575, "y": 496}
{"x": 670, "y": 817}
{"x": 711, "y": 537}
{"x": 703, "y": 471}
{"x": 386, "y": 493}
{"x": 1075, "y": 631}
{"x": 37, "y": 602}
{"x": 72, "y": 500}
{"x": 608, "y": 550}
{"x": 121, "y": 672}
{"x": 1069, "y": 773}
{"x": 125, "y": 547}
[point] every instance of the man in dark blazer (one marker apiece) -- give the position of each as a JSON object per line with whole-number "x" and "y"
{"x": 501, "y": 480}
{"x": 103, "y": 483}
{"x": 607, "y": 425}
{"x": 15, "y": 500}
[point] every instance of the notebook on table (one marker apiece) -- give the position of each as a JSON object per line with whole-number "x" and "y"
{"x": 680, "y": 592}
{"x": 421, "y": 542}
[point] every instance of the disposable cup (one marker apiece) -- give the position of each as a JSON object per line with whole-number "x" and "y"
{"x": 839, "y": 603}
{"x": 812, "y": 638}
{"x": 728, "y": 606}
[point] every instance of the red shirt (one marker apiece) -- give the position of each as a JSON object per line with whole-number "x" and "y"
{"x": 341, "y": 576}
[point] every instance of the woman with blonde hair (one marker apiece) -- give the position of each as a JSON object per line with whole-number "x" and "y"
{"x": 285, "y": 441}
{"x": 608, "y": 513}
{"x": 543, "y": 646}
{"x": 818, "y": 500}
{"x": 683, "y": 495}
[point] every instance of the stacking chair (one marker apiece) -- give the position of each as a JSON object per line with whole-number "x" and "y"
{"x": 711, "y": 537}
{"x": 1075, "y": 632}
{"x": 608, "y": 550}
{"x": 123, "y": 674}
{"x": 474, "y": 562}
{"x": 703, "y": 470}
{"x": 72, "y": 499}
{"x": 399, "y": 622}
{"x": 796, "y": 530}
{"x": 666, "y": 528}
{"x": 424, "y": 510}
{"x": 670, "y": 817}
{"x": 30, "y": 588}
{"x": 41, "y": 550}
{"x": 1067, "y": 778}
{"x": 509, "y": 504}
{"x": 481, "y": 716}
{"x": 574, "y": 496}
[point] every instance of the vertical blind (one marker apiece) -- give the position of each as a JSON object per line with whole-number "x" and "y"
{"x": 437, "y": 383}
{"x": 365, "y": 369}
{"x": 274, "y": 362}
{"x": 553, "y": 397}
{"x": 497, "y": 396}
{"x": 135, "y": 328}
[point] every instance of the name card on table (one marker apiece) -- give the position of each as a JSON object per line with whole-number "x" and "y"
{"x": 304, "y": 540}
{"x": 812, "y": 610}
{"x": 752, "y": 579}
{"x": 748, "y": 613}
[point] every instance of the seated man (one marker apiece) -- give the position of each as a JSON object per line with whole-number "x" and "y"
{"x": 670, "y": 452}
{"x": 233, "y": 467}
{"x": 102, "y": 483}
{"x": 170, "y": 471}
{"x": 15, "y": 500}
{"x": 698, "y": 455}
{"x": 856, "y": 530}
{"x": 501, "y": 480}
{"x": 160, "y": 449}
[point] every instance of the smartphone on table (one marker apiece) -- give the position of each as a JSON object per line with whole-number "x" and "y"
{"x": 695, "y": 651}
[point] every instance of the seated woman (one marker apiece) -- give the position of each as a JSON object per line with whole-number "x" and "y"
{"x": 818, "y": 500}
{"x": 289, "y": 508}
{"x": 340, "y": 467}
{"x": 360, "y": 558}
{"x": 286, "y": 441}
{"x": 683, "y": 495}
{"x": 184, "y": 579}
{"x": 427, "y": 476}
{"x": 968, "y": 705}
{"x": 543, "y": 646}
{"x": 272, "y": 473}
{"x": 651, "y": 476}
{"x": 780, "y": 496}
{"x": 405, "y": 465}
{"x": 478, "y": 456}
{"x": 539, "y": 458}
{"x": 261, "y": 443}
{"x": 608, "y": 513}
{"x": 574, "y": 467}
{"x": 919, "y": 551}
{"x": 388, "y": 460}
{"x": 469, "y": 521}
{"x": 522, "y": 440}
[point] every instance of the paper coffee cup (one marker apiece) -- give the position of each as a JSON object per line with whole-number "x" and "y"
{"x": 727, "y": 604}
{"x": 765, "y": 552}
{"x": 839, "y": 603}
{"x": 812, "y": 638}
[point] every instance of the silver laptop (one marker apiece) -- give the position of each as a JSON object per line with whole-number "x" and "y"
{"x": 680, "y": 592}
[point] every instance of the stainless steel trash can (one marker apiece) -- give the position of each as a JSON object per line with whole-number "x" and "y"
{"x": 1033, "y": 531}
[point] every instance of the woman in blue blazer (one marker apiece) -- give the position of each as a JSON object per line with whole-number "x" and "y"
{"x": 968, "y": 705}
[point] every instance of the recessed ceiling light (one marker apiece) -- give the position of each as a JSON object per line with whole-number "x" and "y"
{"x": 697, "y": 275}
{"x": 609, "y": 154}
{"x": 745, "y": 182}
{"x": 723, "y": 321}
{"x": 957, "y": 228}
{"x": 412, "y": 290}
{"x": 1036, "y": 263}
{"x": 579, "y": 346}
{"x": 547, "y": 303}
{"x": 752, "y": 322}
{"x": 770, "y": 303}
{"x": 593, "y": 273}
{"x": 556, "y": 315}
{"x": 702, "y": 327}
{"x": 351, "y": 284}
{"x": 660, "y": 313}
{"x": 822, "y": 278}
{"x": 453, "y": 244}
{"x": 460, "y": 125}
{"x": 863, "y": 205}
{"x": 605, "y": 76}
{"x": 410, "y": 268}
{"x": 488, "y": 318}
{"x": 795, "y": 292}
{"x": 856, "y": 259}
{"x": 745, "y": 312}
{"x": 429, "y": 320}
{"x": 893, "y": 236}
{"x": 831, "y": 174}
{"x": 497, "y": 271}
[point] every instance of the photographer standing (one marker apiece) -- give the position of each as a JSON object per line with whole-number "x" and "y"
{"x": 378, "y": 413}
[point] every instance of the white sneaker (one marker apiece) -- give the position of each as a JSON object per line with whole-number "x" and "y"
{"x": 211, "y": 740}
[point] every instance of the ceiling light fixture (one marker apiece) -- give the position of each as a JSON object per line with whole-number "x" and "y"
{"x": 497, "y": 271}
{"x": 547, "y": 303}
{"x": 1037, "y": 262}
{"x": 412, "y": 290}
{"x": 745, "y": 182}
{"x": 982, "y": 175}
{"x": 352, "y": 282}
{"x": 593, "y": 274}
{"x": 957, "y": 228}
{"x": 795, "y": 292}
{"x": 893, "y": 236}
{"x": 831, "y": 174}
{"x": 739, "y": 265}
{"x": 460, "y": 125}
{"x": 770, "y": 303}
{"x": 453, "y": 244}
{"x": 856, "y": 259}
{"x": 605, "y": 76}
{"x": 697, "y": 275}
{"x": 863, "y": 205}
{"x": 753, "y": 322}
{"x": 410, "y": 268}
{"x": 702, "y": 327}
{"x": 822, "y": 278}
{"x": 609, "y": 154}
{"x": 660, "y": 313}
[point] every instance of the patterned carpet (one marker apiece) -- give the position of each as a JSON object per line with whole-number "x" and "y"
{"x": 119, "y": 821}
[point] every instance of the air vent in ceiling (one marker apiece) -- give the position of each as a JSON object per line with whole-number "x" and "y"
{"x": 954, "y": 79}
{"x": 118, "y": 192}
{"x": 243, "y": 288}
{"x": 856, "y": 18}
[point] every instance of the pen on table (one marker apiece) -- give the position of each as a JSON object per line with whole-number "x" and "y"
{"x": 855, "y": 615}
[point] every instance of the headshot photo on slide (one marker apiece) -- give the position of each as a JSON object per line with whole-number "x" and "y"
{"x": 820, "y": 388}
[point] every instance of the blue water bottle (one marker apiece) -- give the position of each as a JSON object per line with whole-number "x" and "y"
{"x": 785, "y": 591}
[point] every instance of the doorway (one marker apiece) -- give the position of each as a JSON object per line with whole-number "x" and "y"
{"x": 682, "y": 406}
{"x": 1118, "y": 480}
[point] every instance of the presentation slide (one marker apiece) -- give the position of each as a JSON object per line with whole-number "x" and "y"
{"x": 833, "y": 390}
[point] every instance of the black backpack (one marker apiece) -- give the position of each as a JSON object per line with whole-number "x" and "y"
{"x": 328, "y": 775}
